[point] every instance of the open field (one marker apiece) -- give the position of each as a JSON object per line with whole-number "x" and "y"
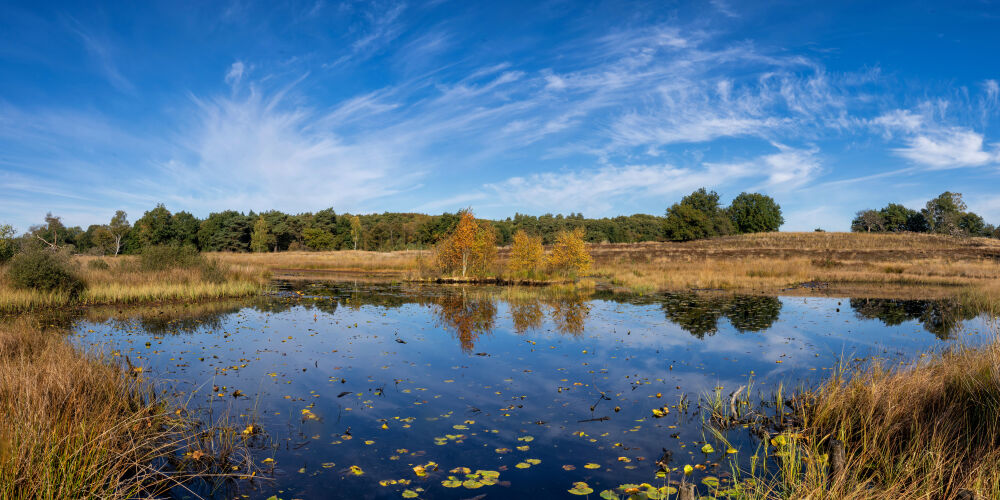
{"x": 773, "y": 262}
{"x": 892, "y": 264}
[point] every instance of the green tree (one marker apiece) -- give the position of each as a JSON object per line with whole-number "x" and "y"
{"x": 261, "y": 240}
{"x": 8, "y": 245}
{"x": 185, "y": 229}
{"x": 972, "y": 224}
{"x": 53, "y": 233}
{"x": 318, "y": 239}
{"x": 227, "y": 231}
{"x": 755, "y": 213}
{"x": 896, "y": 218}
{"x": 944, "y": 212}
{"x": 867, "y": 221}
{"x": 697, "y": 216}
{"x": 154, "y": 227}
{"x": 116, "y": 230}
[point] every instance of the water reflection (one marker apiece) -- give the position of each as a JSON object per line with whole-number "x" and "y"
{"x": 470, "y": 313}
{"x": 570, "y": 378}
{"x": 940, "y": 317}
{"x": 700, "y": 314}
{"x": 468, "y": 317}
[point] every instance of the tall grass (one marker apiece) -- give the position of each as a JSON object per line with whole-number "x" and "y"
{"x": 754, "y": 263}
{"x": 125, "y": 280}
{"x": 76, "y": 426}
{"x": 930, "y": 430}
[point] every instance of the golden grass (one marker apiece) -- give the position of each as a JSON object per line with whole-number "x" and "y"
{"x": 406, "y": 262}
{"x": 925, "y": 431}
{"x": 75, "y": 426}
{"x": 773, "y": 262}
{"x": 754, "y": 263}
{"x": 123, "y": 282}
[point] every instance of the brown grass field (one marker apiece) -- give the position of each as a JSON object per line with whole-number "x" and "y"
{"x": 768, "y": 263}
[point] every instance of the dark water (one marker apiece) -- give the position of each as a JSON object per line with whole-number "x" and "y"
{"x": 387, "y": 378}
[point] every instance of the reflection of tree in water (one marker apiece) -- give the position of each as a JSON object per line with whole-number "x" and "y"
{"x": 699, "y": 314}
{"x": 468, "y": 316}
{"x": 526, "y": 315}
{"x": 570, "y": 315}
{"x": 940, "y": 317}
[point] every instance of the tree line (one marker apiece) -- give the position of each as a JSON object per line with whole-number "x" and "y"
{"x": 697, "y": 215}
{"x": 945, "y": 214}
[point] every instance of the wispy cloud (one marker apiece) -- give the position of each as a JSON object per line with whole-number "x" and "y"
{"x": 596, "y": 191}
{"x": 101, "y": 51}
{"x": 235, "y": 74}
{"x": 380, "y": 25}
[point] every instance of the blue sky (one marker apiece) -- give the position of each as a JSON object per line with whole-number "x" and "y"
{"x": 604, "y": 108}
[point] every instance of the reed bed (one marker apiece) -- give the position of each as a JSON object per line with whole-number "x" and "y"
{"x": 124, "y": 282}
{"x": 77, "y": 426}
{"x": 928, "y": 430}
{"x": 342, "y": 260}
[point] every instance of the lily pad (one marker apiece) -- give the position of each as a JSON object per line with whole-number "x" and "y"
{"x": 581, "y": 488}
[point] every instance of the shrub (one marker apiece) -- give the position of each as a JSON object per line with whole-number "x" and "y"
{"x": 163, "y": 257}
{"x": 99, "y": 264}
{"x": 44, "y": 270}
{"x": 210, "y": 271}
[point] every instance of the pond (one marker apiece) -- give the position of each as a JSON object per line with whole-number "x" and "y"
{"x": 391, "y": 391}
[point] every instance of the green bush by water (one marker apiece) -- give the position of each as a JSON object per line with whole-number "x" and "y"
{"x": 44, "y": 270}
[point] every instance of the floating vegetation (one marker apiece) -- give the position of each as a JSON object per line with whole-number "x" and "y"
{"x": 429, "y": 391}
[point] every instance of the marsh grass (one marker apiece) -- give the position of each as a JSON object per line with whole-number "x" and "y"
{"x": 126, "y": 280}
{"x": 928, "y": 430}
{"x": 752, "y": 263}
{"x": 77, "y": 426}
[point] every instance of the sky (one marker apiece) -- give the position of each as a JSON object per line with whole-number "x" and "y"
{"x": 604, "y": 108}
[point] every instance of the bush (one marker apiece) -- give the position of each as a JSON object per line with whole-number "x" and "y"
{"x": 99, "y": 264}
{"x": 211, "y": 271}
{"x": 163, "y": 257}
{"x": 44, "y": 270}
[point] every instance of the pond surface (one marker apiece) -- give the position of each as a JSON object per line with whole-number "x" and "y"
{"x": 540, "y": 389}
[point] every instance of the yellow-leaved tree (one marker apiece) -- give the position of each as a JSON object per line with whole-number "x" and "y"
{"x": 526, "y": 254}
{"x": 355, "y": 230}
{"x": 569, "y": 253}
{"x": 470, "y": 248}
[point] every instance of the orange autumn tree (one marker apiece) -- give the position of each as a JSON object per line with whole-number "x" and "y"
{"x": 569, "y": 253}
{"x": 526, "y": 254}
{"x": 471, "y": 247}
